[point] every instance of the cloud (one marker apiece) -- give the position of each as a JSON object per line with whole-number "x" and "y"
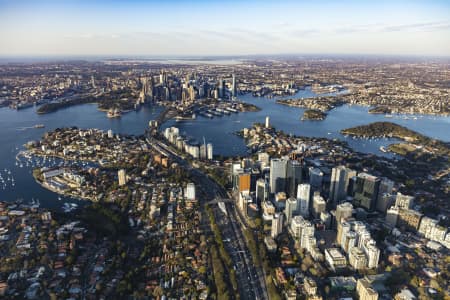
{"x": 427, "y": 27}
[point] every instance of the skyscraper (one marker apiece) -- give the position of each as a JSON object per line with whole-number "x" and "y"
{"x": 342, "y": 229}
{"x": 209, "y": 151}
{"x": 303, "y": 196}
{"x": 315, "y": 178}
{"x": 190, "y": 191}
{"x": 277, "y": 225}
{"x": 290, "y": 209}
{"x": 277, "y": 175}
{"x": 319, "y": 204}
{"x": 386, "y": 186}
{"x": 366, "y": 191}
{"x": 294, "y": 173}
{"x": 262, "y": 191}
{"x": 343, "y": 211}
{"x": 233, "y": 86}
{"x": 340, "y": 177}
{"x": 244, "y": 182}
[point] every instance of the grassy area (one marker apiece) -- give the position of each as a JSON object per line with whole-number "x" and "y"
{"x": 102, "y": 219}
{"x": 222, "y": 262}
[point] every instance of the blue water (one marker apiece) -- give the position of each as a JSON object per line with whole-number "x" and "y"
{"x": 219, "y": 130}
{"x": 12, "y": 140}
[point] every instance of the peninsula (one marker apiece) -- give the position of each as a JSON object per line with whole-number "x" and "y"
{"x": 416, "y": 142}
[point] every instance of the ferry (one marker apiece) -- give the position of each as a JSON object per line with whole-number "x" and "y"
{"x": 39, "y": 126}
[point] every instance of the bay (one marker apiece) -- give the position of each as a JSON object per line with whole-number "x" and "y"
{"x": 16, "y": 130}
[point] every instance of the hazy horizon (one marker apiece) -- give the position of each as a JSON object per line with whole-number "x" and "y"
{"x": 202, "y": 28}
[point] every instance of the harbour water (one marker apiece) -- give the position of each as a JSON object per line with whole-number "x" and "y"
{"x": 16, "y": 129}
{"x": 220, "y": 130}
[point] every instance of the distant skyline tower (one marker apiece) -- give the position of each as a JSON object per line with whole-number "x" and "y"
{"x": 233, "y": 86}
{"x": 93, "y": 82}
{"x": 221, "y": 88}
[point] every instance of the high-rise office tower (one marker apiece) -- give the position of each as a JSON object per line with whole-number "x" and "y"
{"x": 366, "y": 191}
{"x": 277, "y": 175}
{"x": 294, "y": 173}
{"x": 290, "y": 209}
{"x": 202, "y": 151}
{"x": 307, "y": 233}
{"x": 343, "y": 211}
{"x": 296, "y": 227}
{"x": 209, "y": 151}
{"x": 303, "y": 196}
{"x": 319, "y": 205}
{"x": 233, "y": 86}
{"x": 262, "y": 191}
{"x": 340, "y": 177}
{"x": 384, "y": 202}
{"x": 244, "y": 182}
{"x": 315, "y": 178}
{"x": 342, "y": 229}
{"x": 277, "y": 225}
{"x": 221, "y": 88}
{"x": 386, "y": 186}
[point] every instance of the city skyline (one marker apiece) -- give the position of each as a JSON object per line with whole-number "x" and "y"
{"x": 213, "y": 28}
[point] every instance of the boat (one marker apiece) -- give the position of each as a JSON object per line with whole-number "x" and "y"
{"x": 383, "y": 149}
{"x": 39, "y": 126}
{"x": 114, "y": 113}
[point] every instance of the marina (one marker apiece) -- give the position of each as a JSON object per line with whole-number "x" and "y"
{"x": 220, "y": 130}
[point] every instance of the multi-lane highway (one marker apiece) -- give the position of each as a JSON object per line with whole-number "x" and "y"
{"x": 250, "y": 278}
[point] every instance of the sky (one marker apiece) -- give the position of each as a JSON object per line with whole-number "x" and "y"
{"x": 214, "y": 28}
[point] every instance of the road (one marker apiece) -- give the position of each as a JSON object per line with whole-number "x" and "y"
{"x": 251, "y": 282}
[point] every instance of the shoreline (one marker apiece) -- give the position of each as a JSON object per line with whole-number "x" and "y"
{"x": 56, "y": 191}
